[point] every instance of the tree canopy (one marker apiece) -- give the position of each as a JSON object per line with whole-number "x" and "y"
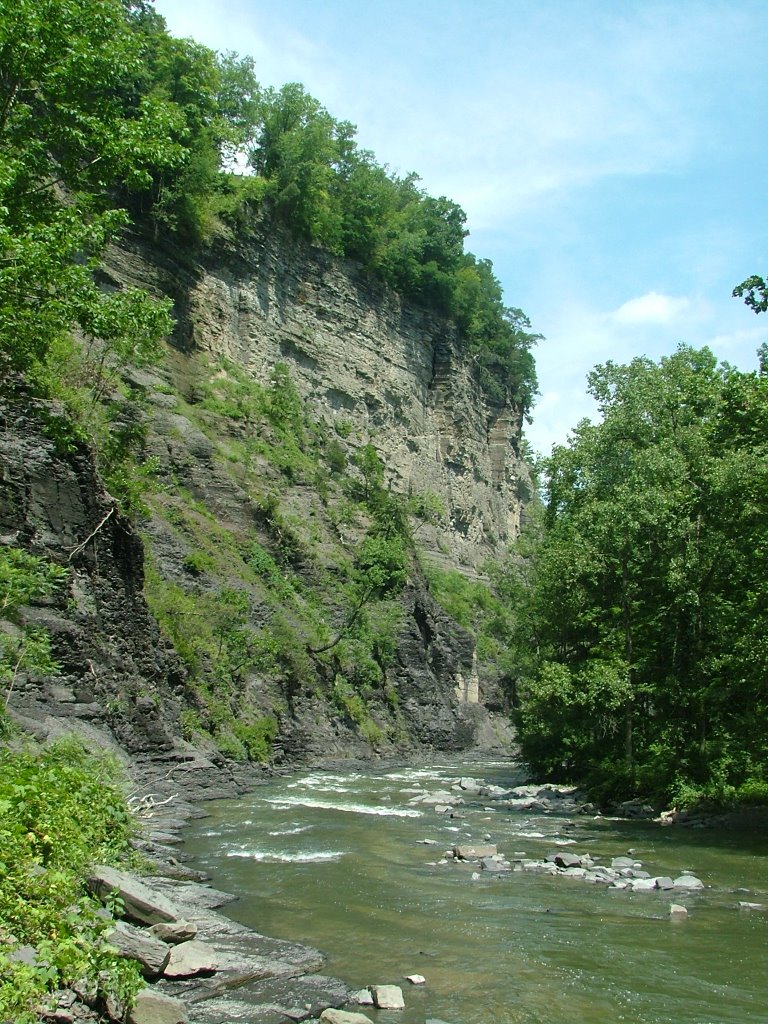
{"x": 649, "y": 604}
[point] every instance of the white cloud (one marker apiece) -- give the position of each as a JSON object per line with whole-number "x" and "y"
{"x": 652, "y": 308}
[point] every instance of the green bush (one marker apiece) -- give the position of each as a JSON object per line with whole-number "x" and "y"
{"x": 59, "y": 812}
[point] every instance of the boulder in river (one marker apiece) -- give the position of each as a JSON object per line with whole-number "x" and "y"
{"x": 388, "y": 997}
{"x": 677, "y": 913}
{"x": 334, "y": 1016}
{"x": 468, "y": 851}
{"x": 688, "y": 882}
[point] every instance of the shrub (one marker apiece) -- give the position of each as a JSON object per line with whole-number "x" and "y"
{"x": 59, "y": 812}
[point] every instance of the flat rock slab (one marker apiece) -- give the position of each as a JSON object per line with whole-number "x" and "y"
{"x": 150, "y": 953}
{"x": 388, "y": 997}
{"x": 153, "y": 1007}
{"x": 189, "y": 959}
{"x": 474, "y": 852}
{"x": 141, "y": 902}
{"x": 273, "y": 1001}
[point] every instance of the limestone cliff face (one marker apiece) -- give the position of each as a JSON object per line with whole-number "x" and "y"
{"x": 394, "y": 373}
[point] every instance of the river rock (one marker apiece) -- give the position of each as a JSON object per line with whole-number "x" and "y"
{"x": 152, "y": 1007}
{"x": 643, "y": 884}
{"x": 743, "y": 905}
{"x": 174, "y": 932}
{"x": 416, "y": 979}
{"x": 624, "y": 863}
{"x": 565, "y": 860}
{"x": 688, "y": 882}
{"x": 141, "y": 903}
{"x": 189, "y": 959}
{"x": 333, "y": 1016}
{"x": 664, "y": 882}
{"x": 676, "y": 912}
{"x": 388, "y": 997}
{"x": 362, "y": 997}
{"x": 134, "y": 944}
{"x": 468, "y": 851}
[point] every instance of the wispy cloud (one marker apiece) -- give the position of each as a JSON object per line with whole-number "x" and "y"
{"x": 651, "y": 308}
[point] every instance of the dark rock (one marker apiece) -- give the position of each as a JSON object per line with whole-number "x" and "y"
{"x": 134, "y": 944}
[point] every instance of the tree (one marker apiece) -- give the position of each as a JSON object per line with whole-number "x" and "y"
{"x": 645, "y": 597}
{"x": 754, "y": 291}
{"x": 71, "y": 127}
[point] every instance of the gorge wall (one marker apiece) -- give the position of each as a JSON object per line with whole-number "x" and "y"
{"x": 374, "y": 370}
{"x": 360, "y": 356}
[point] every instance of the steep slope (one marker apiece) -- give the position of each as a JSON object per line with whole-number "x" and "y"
{"x": 314, "y": 442}
{"x": 388, "y": 371}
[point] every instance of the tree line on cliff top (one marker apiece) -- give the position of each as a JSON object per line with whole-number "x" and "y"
{"x": 106, "y": 118}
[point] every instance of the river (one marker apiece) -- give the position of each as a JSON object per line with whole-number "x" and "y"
{"x": 337, "y": 860}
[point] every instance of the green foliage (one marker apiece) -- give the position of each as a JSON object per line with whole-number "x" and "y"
{"x": 754, "y": 291}
{"x": 66, "y": 122}
{"x": 59, "y": 812}
{"x": 24, "y": 579}
{"x": 647, "y": 601}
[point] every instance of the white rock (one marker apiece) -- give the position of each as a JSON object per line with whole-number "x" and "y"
{"x": 688, "y": 882}
{"x": 388, "y": 997}
{"x": 416, "y": 979}
{"x": 676, "y": 912}
{"x": 362, "y": 997}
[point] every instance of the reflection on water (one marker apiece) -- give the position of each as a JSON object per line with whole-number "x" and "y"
{"x": 339, "y": 861}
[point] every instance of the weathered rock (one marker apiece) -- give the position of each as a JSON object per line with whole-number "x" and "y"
{"x": 744, "y": 905}
{"x": 174, "y": 932}
{"x": 688, "y": 882}
{"x": 676, "y": 912}
{"x": 495, "y": 864}
{"x": 141, "y": 903}
{"x": 189, "y": 959}
{"x": 566, "y": 860}
{"x": 362, "y": 997}
{"x": 134, "y": 944}
{"x": 664, "y": 882}
{"x": 416, "y": 979}
{"x": 388, "y": 997}
{"x": 643, "y": 884}
{"x": 468, "y": 851}
{"x": 333, "y": 1016}
{"x": 152, "y": 1007}
{"x": 621, "y": 863}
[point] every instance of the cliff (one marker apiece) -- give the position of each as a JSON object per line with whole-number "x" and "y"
{"x": 388, "y": 371}
{"x": 240, "y": 507}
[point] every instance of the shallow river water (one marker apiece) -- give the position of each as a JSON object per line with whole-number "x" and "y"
{"x": 335, "y": 860}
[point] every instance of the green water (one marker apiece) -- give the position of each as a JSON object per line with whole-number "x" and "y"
{"x": 334, "y": 860}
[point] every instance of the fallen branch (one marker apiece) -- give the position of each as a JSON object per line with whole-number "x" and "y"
{"x": 89, "y": 538}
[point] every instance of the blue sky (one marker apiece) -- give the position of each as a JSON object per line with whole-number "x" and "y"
{"x": 611, "y": 155}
